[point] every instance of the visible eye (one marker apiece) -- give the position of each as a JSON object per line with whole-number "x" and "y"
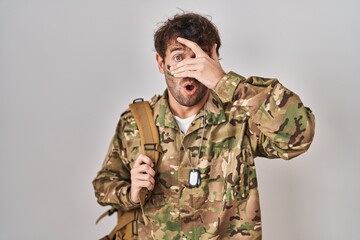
{"x": 178, "y": 58}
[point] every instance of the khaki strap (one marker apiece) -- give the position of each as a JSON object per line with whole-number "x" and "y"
{"x": 105, "y": 214}
{"x": 123, "y": 220}
{"x": 149, "y": 135}
{"x": 150, "y": 141}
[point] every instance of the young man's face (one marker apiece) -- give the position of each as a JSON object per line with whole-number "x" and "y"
{"x": 186, "y": 91}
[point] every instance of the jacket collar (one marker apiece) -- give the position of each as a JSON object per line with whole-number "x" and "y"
{"x": 213, "y": 112}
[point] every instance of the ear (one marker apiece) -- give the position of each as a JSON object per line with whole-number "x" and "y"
{"x": 160, "y": 63}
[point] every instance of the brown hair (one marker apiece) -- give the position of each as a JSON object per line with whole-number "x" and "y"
{"x": 191, "y": 26}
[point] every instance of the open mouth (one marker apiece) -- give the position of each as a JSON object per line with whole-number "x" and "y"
{"x": 190, "y": 88}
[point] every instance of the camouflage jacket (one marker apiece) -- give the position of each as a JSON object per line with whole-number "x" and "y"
{"x": 242, "y": 119}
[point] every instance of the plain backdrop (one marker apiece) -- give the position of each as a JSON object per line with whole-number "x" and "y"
{"x": 69, "y": 68}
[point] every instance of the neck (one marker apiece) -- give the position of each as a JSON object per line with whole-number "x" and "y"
{"x": 182, "y": 111}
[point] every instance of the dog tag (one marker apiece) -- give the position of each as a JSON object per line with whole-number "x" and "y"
{"x": 194, "y": 178}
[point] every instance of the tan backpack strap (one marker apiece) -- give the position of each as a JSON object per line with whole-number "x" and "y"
{"x": 124, "y": 219}
{"x": 150, "y": 142}
{"x": 105, "y": 214}
{"x": 149, "y": 134}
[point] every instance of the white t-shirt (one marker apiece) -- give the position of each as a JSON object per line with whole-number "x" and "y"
{"x": 184, "y": 123}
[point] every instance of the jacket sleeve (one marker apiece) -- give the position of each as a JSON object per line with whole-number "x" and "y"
{"x": 112, "y": 183}
{"x": 279, "y": 125}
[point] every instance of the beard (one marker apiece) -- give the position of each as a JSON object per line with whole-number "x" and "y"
{"x": 187, "y": 91}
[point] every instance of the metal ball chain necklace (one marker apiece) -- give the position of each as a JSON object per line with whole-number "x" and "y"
{"x": 194, "y": 178}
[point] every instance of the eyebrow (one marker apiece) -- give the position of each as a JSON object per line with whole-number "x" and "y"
{"x": 176, "y": 49}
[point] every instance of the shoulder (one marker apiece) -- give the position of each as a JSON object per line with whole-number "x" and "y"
{"x": 154, "y": 100}
{"x": 127, "y": 120}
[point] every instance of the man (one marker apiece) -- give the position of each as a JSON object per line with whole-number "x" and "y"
{"x": 212, "y": 125}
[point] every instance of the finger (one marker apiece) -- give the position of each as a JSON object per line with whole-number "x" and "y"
{"x": 188, "y": 61}
{"x": 187, "y": 64}
{"x": 144, "y": 178}
{"x": 148, "y": 185}
{"x": 139, "y": 184}
{"x": 141, "y": 160}
{"x": 193, "y": 46}
{"x": 187, "y": 74}
{"x": 144, "y": 168}
{"x": 187, "y": 70}
{"x": 213, "y": 54}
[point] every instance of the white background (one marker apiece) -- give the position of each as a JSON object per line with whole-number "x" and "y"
{"x": 69, "y": 68}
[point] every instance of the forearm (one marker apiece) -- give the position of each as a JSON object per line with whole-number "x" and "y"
{"x": 286, "y": 125}
{"x": 112, "y": 183}
{"x": 111, "y": 190}
{"x": 279, "y": 124}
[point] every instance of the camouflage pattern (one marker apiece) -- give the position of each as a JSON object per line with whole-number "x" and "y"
{"x": 244, "y": 118}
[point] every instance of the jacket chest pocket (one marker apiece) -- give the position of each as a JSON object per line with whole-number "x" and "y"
{"x": 240, "y": 174}
{"x": 214, "y": 178}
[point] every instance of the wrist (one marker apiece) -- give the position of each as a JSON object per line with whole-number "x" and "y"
{"x": 217, "y": 79}
{"x": 226, "y": 86}
{"x": 133, "y": 201}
